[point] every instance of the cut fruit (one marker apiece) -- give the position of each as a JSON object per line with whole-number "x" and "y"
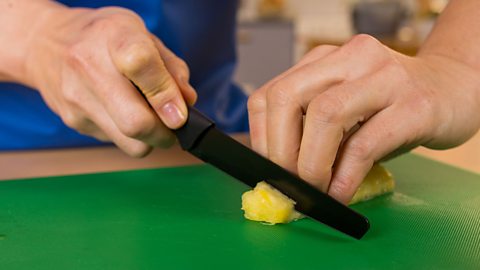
{"x": 377, "y": 182}
{"x": 267, "y": 204}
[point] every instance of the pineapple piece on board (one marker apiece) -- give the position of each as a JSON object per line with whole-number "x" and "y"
{"x": 267, "y": 204}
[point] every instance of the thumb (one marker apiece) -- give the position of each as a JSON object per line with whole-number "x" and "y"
{"x": 179, "y": 70}
{"x": 139, "y": 60}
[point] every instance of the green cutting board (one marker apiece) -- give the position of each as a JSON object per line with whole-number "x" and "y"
{"x": 190, "y": 218}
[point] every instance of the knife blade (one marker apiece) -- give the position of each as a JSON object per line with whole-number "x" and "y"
{"x": 200, "y": 137}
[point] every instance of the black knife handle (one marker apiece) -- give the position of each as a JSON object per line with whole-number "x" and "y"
{"x": 197, "y": 124}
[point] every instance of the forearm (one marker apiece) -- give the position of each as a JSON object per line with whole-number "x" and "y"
{"x": 451, "y": 57}
{"x": 20, "y": 21}
{"x": 457, "y": 34}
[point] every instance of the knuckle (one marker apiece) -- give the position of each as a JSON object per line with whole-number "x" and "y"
{"x": 78, "y": 57}
{"x": 71, "y": 96}
{"x": 313, "y": 172}
{"x": 341, "y": 187}
{"x": 135, "y": 59}
{"x": 74, "y": 120}
{"x": 114, "y": 20}
{"x": 138, "y": 125}
{"x": 256, "y": 103}
{"x": 328, "y": 109}
{"x": 364, "y": 41}
{"x": 360, "y": 150}
{"x": 366, "y": 51}
{"x": 278, "y": 94}
{"x": 163, "y": 89}
{"x": 103, "y": 24}
{"x": 137, "y": 149}
{"x": 117, "y": 15}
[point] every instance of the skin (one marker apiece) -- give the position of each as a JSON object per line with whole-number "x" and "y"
{"x": 327, "y": 119}
{"x": 100, "y": 70}
{"x": 341, "y": 109}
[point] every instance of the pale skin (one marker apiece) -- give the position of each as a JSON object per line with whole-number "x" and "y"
{"x": 88, "y": 63}
{"x": 341, "y": 109}
{"x": 327, "y": 119}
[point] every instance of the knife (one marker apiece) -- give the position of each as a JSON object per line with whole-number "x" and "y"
{"x": 200, "y": 137}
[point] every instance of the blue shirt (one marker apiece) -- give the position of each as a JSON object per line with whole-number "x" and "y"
{"x": 199, "y": 31}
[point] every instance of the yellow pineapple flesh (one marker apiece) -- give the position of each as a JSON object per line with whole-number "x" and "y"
{"x": 267, "y": 204}
{"x": 377, "y": 182}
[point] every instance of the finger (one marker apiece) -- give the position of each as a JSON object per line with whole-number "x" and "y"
{"x": 89, "y": 128}
{"x": 100, "y": 135}
{"x": 179, "y": 71}
{"x": 312, "y": 56}
{"x": 257, "y": 103}
{"x": 298, "y": 89}
{"x": 381, "y": 135}
{"x": 128, "y": 109}
{"x": 95, "y": 121}
{"x": 257, "y": 114}
{"x": 330, "y": 118}
{"x": 74, "y": 118}
{"x": 287, "y": 100}
{"x": 139, "y": 60}
{"x": 108, "y": 127}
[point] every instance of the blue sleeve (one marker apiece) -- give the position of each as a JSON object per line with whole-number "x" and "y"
{"x": 199, "y": 31}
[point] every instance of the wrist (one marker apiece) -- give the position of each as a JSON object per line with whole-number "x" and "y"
{"x": 23, "y": 25}
{"x": 459, "y": 72}
{"x": 456, "y": 87}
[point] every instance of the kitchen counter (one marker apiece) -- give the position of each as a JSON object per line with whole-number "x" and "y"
{"x": 27, "y": 164}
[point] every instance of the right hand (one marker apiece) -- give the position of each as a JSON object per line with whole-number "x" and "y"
{"x": 338, "y": 111}
{"x": 106, "y": 76}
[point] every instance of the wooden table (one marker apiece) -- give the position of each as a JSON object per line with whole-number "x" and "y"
{"x": 28, "y": 164}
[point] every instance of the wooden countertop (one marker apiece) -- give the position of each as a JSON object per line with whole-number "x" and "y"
{"x": 466, "y": 156}
{"x": 28, "y": 164}
{"x": 41, "y": 163}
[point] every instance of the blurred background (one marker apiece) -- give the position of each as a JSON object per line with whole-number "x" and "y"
{"x": 274, "y": 34}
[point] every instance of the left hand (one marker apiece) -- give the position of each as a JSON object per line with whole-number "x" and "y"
{"x": 341, "y": 109}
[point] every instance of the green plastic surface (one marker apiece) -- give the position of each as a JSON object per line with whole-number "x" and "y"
{"x": 190, "y": 218}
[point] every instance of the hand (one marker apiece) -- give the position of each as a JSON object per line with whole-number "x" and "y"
{"x": 106, "y": 76}
{"x": 340, "y": 109}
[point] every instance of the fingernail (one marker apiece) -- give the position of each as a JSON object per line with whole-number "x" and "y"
{"x": 172, "y": 115}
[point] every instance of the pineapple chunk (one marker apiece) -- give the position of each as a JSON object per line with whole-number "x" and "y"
{"x": 267, "y": 204}
{"x": 377, "y": 182}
